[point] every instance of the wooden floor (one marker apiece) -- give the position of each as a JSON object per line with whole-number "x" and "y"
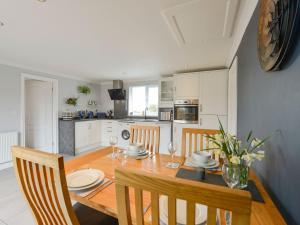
{"x": 13, "y": 207}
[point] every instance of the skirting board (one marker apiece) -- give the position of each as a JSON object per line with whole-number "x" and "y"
{"x": 4, "y": 166}
{"x": 88, "y": 148}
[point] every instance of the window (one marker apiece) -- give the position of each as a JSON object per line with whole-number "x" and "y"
{"x": 143, "y": 101}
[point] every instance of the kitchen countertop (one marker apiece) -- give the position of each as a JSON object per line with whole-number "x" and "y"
{"x": 125, "y": 120}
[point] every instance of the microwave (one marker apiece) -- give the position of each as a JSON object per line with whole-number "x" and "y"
{"x": 186, "y": 111}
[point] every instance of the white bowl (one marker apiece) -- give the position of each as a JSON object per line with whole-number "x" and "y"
{"x": 201, "y": 157}
{"x": 134, "y": 147}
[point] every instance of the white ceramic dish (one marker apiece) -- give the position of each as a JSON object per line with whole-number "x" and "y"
{"x": 201, "y": 157}
{"x": 137, "y": 153}
{"x": 210, "y": 165}
{"x": 200, "y": 212}
{"x": 84, "y": 178}
{"x": 134, "y": 147}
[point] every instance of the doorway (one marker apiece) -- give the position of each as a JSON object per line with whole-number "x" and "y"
{"x": 39, "y": 113}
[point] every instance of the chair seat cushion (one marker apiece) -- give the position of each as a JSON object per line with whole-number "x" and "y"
{"x": 89, "y": 216}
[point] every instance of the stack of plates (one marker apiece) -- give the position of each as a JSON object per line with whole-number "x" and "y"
{"x": 138, "y": 153}
{"x": 200, "y": 212}
{"x": 210, "y": 164}
{"x": 84, "y": 179}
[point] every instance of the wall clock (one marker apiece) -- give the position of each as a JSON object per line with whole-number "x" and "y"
{"x": 277, "y": 27}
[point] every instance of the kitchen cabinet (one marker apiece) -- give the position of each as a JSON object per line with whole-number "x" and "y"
{"x": 177, "y": 134}
{"x": 108, "y": 129}
{"x": 213, "y": 92}
{"x": 87, "y": 135}
{"x": 211, "y": 122}
{"x": 166, "y": 92}
{"x": 186, "y": 86}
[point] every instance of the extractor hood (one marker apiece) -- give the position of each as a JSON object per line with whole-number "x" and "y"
{"x": 117, "y": 93}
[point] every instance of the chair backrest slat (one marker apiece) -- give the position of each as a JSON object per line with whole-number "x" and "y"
{"x": 201, "y": 140}
{"x": 190, "y": 212}
{"x": 171, "y": 210}
{"x": 211, "y": 215}
{"x": 147, "y": 135}
{"x": 41, "y": 177}
{"x": 238, "y": 202}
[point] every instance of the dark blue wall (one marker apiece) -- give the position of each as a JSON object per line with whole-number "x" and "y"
{"x": 269, "y": 102}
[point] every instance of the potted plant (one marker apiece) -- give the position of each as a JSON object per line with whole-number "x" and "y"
{"x": 72, "y": 101}
{"x": 84, "y": 90}
{"x": 238, "y": 156}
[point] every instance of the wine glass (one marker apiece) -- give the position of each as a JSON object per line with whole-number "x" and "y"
{"x": 172, "y": 149}
{"x": 113, "y": 141}
{"x": 122, "y": 156}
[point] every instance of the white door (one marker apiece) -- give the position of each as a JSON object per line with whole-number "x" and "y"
{"x": 39, "y": 115}
{"x": 213, "y": 92}
{"x": 81, "y": 134}
{"x": 212, "y": 122}
{"x": 187, "y": 86}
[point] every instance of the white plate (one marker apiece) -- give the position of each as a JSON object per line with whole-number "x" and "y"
{"x": 137, "y": 153}
{"x": 200, "y": 212}
{"x": 84, "y": 178}
{"x": 192, "y": 164}
{"x": 210, "y": 162}
{"x": 98, "y": 182}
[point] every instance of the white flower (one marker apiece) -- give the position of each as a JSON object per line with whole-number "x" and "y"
{"x": 259, "y": 155}
{"x": 248, "y": 158}
{"x": 255, "y": 142}
{"x": 235, "y": 160}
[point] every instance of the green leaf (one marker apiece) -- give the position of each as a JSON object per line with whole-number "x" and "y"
{"x": 249, "y": 135}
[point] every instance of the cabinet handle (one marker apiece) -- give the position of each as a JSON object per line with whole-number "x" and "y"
{"x": 200, "y": 121}
{"x": 201, "y": 108}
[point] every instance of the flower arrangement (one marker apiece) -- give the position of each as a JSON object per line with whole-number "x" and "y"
{"x": 236, "y": 152}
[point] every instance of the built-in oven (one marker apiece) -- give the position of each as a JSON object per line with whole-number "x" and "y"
{"x": 186, "y": 111}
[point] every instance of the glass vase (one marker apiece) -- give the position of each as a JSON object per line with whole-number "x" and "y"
{"x": 231, "y": 174}
{"x": 244, "y": 176}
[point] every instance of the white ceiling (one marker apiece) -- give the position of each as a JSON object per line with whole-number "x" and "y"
{"x": 118, "y": 39}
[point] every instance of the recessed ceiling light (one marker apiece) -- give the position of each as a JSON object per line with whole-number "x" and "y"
{"x": 41, "y": 0}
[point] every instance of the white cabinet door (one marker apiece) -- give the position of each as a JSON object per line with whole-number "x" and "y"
{"x": 211, "y": 122}
{"x": 166, "y": 92}
{"x": 81, "y": 134}
{"x": 165, "y": 138}
{"x": 108, "y": 129}
{"x": 177, "y": 134}
{"x": 187, "y": 86}
{"x": 213, "y": 92}
{"x": 94, "y": 132}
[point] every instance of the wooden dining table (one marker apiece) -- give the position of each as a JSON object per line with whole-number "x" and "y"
{"x": 105, "y": 200}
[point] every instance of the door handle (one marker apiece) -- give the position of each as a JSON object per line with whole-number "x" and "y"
{"x": 200, "y": 121}
{"x": 200, "y": 107}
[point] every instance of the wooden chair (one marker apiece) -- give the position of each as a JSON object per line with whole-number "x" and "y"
{"x": 196, "y": 139}
{"x": 147, "y": 135}
{"x": 236, "y": 201}
{"x": 41, "y": 177}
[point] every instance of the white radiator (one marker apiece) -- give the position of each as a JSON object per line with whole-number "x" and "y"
{"x": 7, "y": 140}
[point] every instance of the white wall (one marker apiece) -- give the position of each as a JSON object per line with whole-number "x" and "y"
{"x": 10, "y": 82}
